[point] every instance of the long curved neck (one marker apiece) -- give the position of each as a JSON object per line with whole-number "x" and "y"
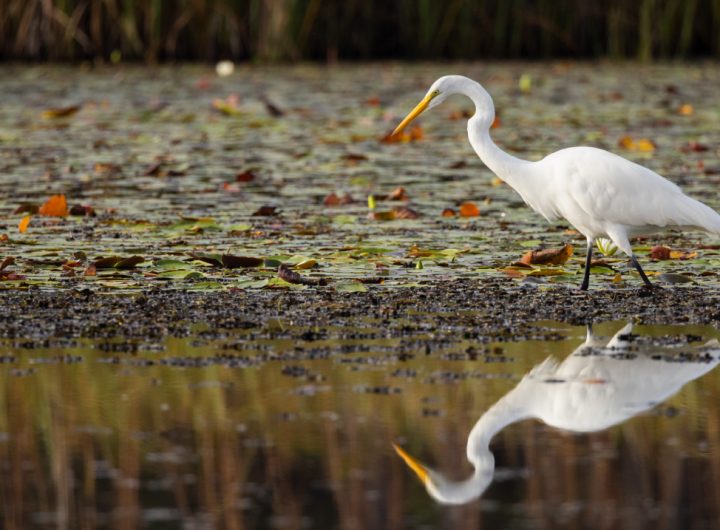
{"x": 497, "y": 417}
{"x": 510, "y": 169}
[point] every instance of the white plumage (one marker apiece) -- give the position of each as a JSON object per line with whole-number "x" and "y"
{"x": 599, "y": 193}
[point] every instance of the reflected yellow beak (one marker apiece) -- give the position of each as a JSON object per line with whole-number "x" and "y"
{"x": 419, "y": 469}
{"x": 419, "y": 109}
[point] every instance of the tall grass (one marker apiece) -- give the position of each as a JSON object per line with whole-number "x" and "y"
{"x": 277, "y": 30}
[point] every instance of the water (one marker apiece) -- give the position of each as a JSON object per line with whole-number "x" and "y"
{"x": 233, "y": 432}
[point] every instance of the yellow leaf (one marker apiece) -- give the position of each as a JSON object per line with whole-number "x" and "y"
{"x": 24, "y": 222}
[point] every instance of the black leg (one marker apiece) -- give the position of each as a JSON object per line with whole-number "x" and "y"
{"x": 635, "y": 262}
{"x": 588, "y": 260}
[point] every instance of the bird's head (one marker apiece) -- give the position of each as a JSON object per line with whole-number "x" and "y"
{"x": 449, "y": 492}
{"x": 439, "y": 91}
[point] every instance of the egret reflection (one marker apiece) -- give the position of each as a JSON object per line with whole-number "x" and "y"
{"x": 600, "y": 384}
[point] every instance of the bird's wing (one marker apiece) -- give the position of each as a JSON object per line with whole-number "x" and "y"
{"x": 608, "y": 188}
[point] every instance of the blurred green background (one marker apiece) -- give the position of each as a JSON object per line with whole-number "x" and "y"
{"x": 328, "y": 30}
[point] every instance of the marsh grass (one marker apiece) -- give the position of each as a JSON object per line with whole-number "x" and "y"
{"x": 274, "y": 30}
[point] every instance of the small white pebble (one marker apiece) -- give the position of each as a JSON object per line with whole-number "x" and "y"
{"x": 225, "y": 68}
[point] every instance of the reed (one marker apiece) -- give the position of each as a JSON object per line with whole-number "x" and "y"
{"x": 282, "y": 30}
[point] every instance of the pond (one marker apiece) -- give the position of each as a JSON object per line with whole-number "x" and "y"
{"x": 227, "y": 302}
{"x": 618, "y": 429}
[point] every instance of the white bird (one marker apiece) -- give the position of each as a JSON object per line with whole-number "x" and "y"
{"x": 599, "y": 193}
{"x": 591, "y": 390}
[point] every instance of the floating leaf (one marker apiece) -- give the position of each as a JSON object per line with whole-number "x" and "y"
{"x": 449, "y": 212}
{"x": 660, "y": 252}
{"x": 469, "y": 209}
{"x": 686, "y": 110}
{"x": 403, "y": 212}
{"x": 56, "y": 206}
{"x": 413, "y": 134}
{"x": 173, "y": 264}
{"x": 551, "y": 256}
{"x": 60, "y": 112}
{"x": 234, "y": 262}
{"x": 81, "y": 210}
{"x": 673, "y": 278}
{"x": 24, "y": 222}
{"x": 334, "y": 199}
{"x": 181, "y": 275}
{"x": 247, "y": 175}
{"x": 266, "y": 211}
{"x": 350, "y": 287}
{"x": 129, "y": 263}
{"x": 643, "y": 144}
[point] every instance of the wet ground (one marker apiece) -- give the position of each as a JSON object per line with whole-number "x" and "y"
{"x": 158, "y": 369}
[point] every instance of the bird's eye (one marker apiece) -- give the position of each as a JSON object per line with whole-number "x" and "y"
{"x": 435, "y": 93}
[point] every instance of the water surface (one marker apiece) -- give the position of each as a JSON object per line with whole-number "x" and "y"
{"x": 224, "y": 430}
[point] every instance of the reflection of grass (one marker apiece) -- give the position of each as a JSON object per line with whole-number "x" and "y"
{"x": 281, "y": 29}
{"x": 118, "y": 439}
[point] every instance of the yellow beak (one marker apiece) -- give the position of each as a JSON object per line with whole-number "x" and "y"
{"x": 419, "y": 109}
{"x": 419, "y": 469}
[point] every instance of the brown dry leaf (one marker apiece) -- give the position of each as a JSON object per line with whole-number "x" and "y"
{"x": 235, "y": 262}
{"x": 382, "y": 216}
{"x": 398, "y": 194}
{"x": 80, "y": 209}
{"x": 7, "y": 262}
{"x": 695, "y": 147}
{"x": 333, "y": 199}
{"x": 449, "y": 212}
{"x": 512, "y": 272}
{"x": 469, "y": 209}
{"x": 91, "y": 270}
{"x": 32, "y": 209}
{"x": 4, "y": 237}
{"x": 24, "y": 222}
{"x": 403, "y": 212}
{"x": 106, "y": 168}
{"x": 56, "y": 206}
{"x": 464, "y": 114}
{"x": 354, "y": 158}
{"x": 129, "y": 263}
{"x": 245, "y": 176}
{"x": 266, "y": 211}
{"x": 550, "y": 256}
{"x": 60, "y": 112}
{"x": 659, "y": 252}
{"x": 496, "y": 123}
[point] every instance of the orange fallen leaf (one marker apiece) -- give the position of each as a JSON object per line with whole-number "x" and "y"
{"x": 56, "y": 206}
{"x": 550, "y": 256}
{"x": 469, "y": 209}
{"x": 686, "y": 110}
{"x": 24, "y": 222}
{"x": 496, "y": 123}
{"x": 415, "y": 133}
{"x": 643, "y": 144}
{"x": 91, "y": 270}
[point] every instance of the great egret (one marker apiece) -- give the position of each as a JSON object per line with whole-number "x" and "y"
{"x": 591, "y": 390}
{"x": 601, "y": 194}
